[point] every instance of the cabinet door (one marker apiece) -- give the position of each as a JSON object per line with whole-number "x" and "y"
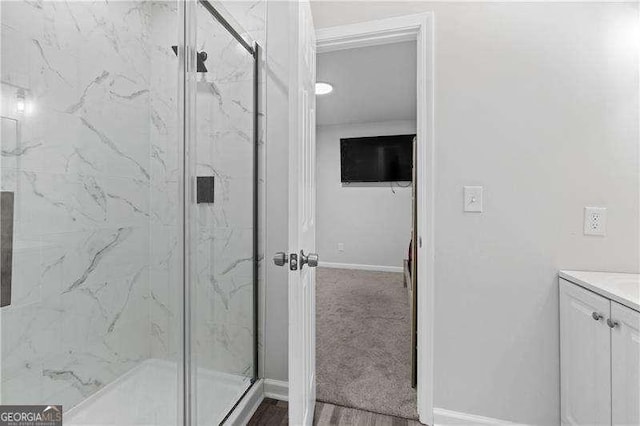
{"x": 625, "y": 365}
{"x": 585, "y": 357}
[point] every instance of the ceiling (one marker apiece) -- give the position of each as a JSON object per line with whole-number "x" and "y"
{"x": 376, "y": 83}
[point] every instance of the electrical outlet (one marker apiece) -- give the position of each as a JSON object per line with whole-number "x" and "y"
{"x": 595, "y": 221}
{"x": 340, "y": 247}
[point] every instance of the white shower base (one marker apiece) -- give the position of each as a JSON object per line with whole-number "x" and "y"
{"x": 148, "y": 395}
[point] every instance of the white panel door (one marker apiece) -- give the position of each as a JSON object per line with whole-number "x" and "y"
{"x": 625, "y": 365}
{"x": 585, "y": 357}
{"x": 302, "y": 224}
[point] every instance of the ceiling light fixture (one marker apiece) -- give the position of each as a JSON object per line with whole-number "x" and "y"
{"x": 323, "y": 88}
{"x": 20, "y": 101}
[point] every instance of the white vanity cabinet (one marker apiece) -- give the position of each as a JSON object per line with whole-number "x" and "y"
{"x": 625, "y": 366}
{"x": 599, "y": 351}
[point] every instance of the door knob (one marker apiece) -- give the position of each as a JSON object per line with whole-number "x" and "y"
{"x": 612, "y": 323}
{"x": 310, "y": 259}
{"x": 280, "y": 258}
{"x": 597, "y": 316}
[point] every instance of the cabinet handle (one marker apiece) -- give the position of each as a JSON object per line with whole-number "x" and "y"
{"x": 597, "y": 316}
{"x": 612, "y": 323}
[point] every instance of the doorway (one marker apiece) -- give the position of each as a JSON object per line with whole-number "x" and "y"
{"x": 418, "y": 28}
{"x": 366, "y": 128}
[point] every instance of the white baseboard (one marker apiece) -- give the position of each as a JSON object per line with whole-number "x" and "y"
{"x": 380, "y": 268}
{"x": 276, "y": 389}
{"x": 448, "y": 417}
{"x": 245, "y": 409}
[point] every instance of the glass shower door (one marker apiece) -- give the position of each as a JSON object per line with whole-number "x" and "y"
{"x": 222, "y": 216}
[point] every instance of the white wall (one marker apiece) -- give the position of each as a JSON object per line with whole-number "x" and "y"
{"x": 373, "y": 221}
{"x": 537, "y": 102}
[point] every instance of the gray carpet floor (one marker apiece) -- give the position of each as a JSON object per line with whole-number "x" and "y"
{"x": 363, "y": 344}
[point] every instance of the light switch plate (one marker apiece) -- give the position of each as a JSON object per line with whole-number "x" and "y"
{"x": 595, "y": 221}
{"x": 473, "y": 199}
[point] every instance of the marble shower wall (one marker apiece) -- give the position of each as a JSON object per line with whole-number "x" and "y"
{"x": 82, "y": 160}
{"x": 165, "y": 249}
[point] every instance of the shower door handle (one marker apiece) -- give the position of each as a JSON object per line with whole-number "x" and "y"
{"x": 6, "y": 246}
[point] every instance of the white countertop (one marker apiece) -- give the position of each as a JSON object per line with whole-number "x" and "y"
{"x": 619, "y": 287}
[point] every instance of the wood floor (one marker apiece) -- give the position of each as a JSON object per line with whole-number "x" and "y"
{"x": 275, "y": 413}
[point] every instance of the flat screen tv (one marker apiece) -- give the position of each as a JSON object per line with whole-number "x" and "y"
{"x": 376, "y": 159}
